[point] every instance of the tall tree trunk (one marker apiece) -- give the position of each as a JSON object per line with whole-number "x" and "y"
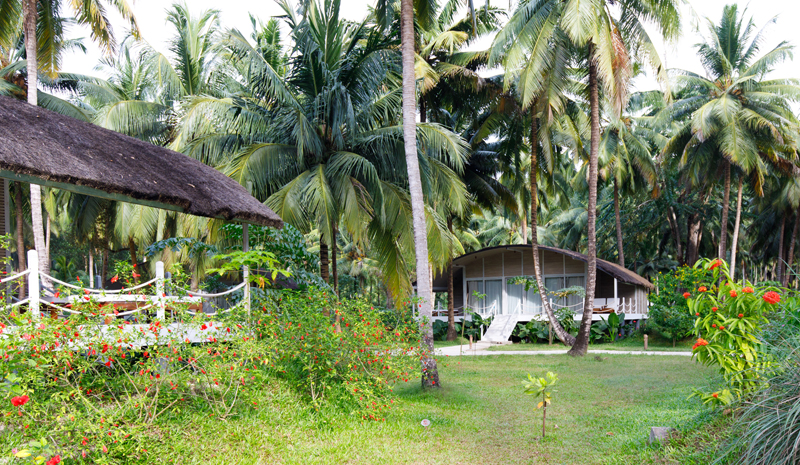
{"x": 334, "y": 260}
{"x": 582, "y": 341}
{"x": 48, "y": 234}
{"x": 30, "y": 17}
{"x": 620, "y": 251}
{"x": 562, "y": 334}
{"x": 451, "y": 311}
{"x": 672, "y": 219}
{"x": 694, "y": 225}
{"x": 106, "y": 245}
{"x": 737, "y": 222}
{"x": 780, "y": 248}
{"x": 430, "y": 372}
{"x": 324, "y": 268}
{"x": 524, "y": 226}
{"x": 323, "y": 261}
{"x": 790, "y": 258}
{"x": 21, "y": 252}
{"x": 726, "y": 198}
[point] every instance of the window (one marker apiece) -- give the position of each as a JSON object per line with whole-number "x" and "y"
{"x": 494, "y": 295}
{"x": 472, "y": 301}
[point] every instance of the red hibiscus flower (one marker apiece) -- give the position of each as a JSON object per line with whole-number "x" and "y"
{"x": 741, "y": 315}
{"x": 702, "y": 289}
{"x": 748, "y": 290}
{"x": 115, "y": 278}
{"x": 19, "y": 401}
{"x": 54, "y": 461}
{"x": 686, "y": 295}
{"x": 714, "y": 309}
{"x": 772, "y": 297}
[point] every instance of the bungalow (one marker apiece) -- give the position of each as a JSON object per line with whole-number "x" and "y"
{"x": 492, "y": 272}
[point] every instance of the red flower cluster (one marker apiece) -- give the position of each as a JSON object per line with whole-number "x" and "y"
{"x": 772, "y": 297}
{"x": 115, "y": 278}
{"x": 54, "y": 461}
{"x": 748, "y": 290}
{"x": 19, "y": 401}
{"x": 714, "y": 309}
{"x": 715, "y": 264}
{"x": 715, "y": 395}
{"x": 733, "y": 294}
{"x": 702, "y": 289}
{"x": 700, "y": 342}
{"x": 686, "y": 295}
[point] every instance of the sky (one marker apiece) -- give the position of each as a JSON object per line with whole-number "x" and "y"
{"x": 678, "y": 54}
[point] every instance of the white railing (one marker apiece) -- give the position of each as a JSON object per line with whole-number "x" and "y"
{"x": 159, "y": 300}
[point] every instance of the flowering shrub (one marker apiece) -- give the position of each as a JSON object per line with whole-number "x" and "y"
{"x": 669, "y": 314}
{"x": 95, "y": 386}
{"x": 730, "y": 316}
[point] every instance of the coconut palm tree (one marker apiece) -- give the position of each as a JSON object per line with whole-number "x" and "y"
{"x": 734, "y": 116}
{"x": 626, "y": 157}
{"x": 36, "y": 32}
{"x": 610, "y": 42}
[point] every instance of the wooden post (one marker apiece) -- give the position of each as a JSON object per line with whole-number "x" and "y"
{"x": 246, "y": 269}
{"x": 162, "y": 303}
{"x": 470, "y": 342}
{"x": 645, "y": 342}
{"x": 33, "y": 284}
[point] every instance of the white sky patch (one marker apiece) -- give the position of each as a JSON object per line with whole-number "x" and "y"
{"x": 151, "y": 15}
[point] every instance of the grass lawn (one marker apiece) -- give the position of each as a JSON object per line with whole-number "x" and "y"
{"x": 634, "y": 343}
{"x": 601, "y": 414}
{"x": 458, "y": 341}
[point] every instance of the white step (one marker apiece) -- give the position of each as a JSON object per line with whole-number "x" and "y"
{"x": 501, "y": 328}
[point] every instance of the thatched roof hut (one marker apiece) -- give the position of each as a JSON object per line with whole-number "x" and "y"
{"x": 46, "y": 148}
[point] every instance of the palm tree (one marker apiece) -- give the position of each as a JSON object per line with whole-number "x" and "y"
{"x": 609, "y": 43}
{"x": 430, "y": 372}
{"x": 735, "y": 116}
{"x": 626, "y": 155}
{"x": 90, "y": 13}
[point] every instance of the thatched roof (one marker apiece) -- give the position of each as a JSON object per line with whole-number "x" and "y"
{"x": 43, "y": 147}
{"x": 622, "y": 274}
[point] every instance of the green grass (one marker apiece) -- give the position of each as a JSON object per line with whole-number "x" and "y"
{"x": 633, "y": 343}
{"x": 601, "y": 414}
{"x": 458, "y": 341}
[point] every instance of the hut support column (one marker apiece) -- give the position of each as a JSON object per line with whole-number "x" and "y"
{"x": 161, "y": 312}
{"x": 616, "y": 297}
{"x": 246, "y": 269}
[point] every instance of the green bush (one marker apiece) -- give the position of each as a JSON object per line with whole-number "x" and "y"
{"x": 669, "y": 313}
{"x": 97, "y": 394}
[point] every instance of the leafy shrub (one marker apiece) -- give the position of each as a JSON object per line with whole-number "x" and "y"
{"x": 769, "y": 427}
{"x": 98, "y": 392}
{"x": 669, "y": 312}
{"x": 729, "y": 318}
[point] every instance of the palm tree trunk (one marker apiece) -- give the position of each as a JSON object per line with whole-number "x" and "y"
{"x": 780, "y": 249}
{"x": 430, "y": 372}
{"x": 726, "y": 197}
{"x": 91, "y": 267}
{"x": 451, "y": 311}
{"x": 582, "y": 341}
{"x": 562, "y": 334}
{"x": 323, "y": 261}
{"x": 135, "y": 260}
{"x": 21, "y": 253}
{"x": 30, "y": 17}
{"x": 334, "y": 267}
{"x": 524, "y": 226}
{"x": 672, "y": 219}
{"x": 735, "y": 241}
{"x": 620, "y": 250}
{"x": 790, "y": 258}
